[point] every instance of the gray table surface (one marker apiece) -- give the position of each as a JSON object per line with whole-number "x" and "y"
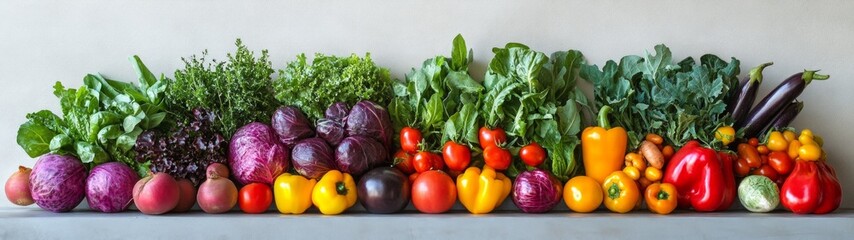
{"x": 33, "y": 223}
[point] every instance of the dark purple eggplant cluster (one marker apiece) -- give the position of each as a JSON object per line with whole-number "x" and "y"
{"x": 186, "y": 151}
{"x": 776, "y": 110}
{"x": 352, "y": 140}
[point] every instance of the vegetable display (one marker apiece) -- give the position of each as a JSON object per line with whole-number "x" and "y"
{"x": 335, "y": 131}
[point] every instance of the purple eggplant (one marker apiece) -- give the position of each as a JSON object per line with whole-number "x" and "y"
{"x": 742, "y": 100}
{"x": 763, "y": 113}
{"x": 786, "y": 116}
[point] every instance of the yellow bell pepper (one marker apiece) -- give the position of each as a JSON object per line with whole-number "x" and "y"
{"x": 482, "y": 191}
{"x": 621, "y": 192}
{"x": 293, "y": 193}
{"x": 603, "y": 147}
{"x": 334, "y": 193}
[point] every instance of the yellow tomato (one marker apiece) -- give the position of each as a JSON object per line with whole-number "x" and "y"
{"x": 777, "y": 142}
{"x": 725, "y": 134}
{"x": 789, "y": 135}
{"x": 794, "y": 147}
{"x": 809, "y": 152}
{"x": 652, "y": 174}
{"x": 582, "y": 194}
{"x": 633, "y": 172}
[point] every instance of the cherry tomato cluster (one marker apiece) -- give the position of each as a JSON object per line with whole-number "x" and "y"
{"x": 775, "y": 158}
{"x": 640, "y": 169}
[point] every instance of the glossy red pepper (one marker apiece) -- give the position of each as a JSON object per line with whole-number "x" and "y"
{"x": 703, "y": 178}
{"x": 812, "y": 187}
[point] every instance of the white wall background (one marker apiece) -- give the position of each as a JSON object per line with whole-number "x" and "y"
{"x": 45, "y": 41}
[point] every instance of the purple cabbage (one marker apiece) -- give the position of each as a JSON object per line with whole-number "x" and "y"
{"x": 255, "y": 155}
{"x": 312, "y": 158}
{"x": 536, "y": 191}
{"x": 58, "y": 182}
{"x": 109, "y": 187}
{"x": 370, "y": 120}
{"x": 331, "y": 130}
{"x": 291, "y": 125}
{"x": 338, "y": 111}
{"x": 357, "y": 154}
{"x": 332, "y": 127}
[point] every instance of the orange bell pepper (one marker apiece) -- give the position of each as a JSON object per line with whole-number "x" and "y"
{"x": 603, "y": 148}
{"x": 661, "y": 198}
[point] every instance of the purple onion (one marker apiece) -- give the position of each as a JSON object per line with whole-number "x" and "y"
{"x": 536, "y": 191}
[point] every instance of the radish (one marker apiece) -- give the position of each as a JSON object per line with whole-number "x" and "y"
{"x": 18, "y": 187}
{"x": 156, "y": 194}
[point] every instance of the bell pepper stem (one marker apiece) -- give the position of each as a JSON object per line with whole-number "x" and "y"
{"x": 341, "y": 188}
{"x": 603, "y": 117}
{"x": 662, "y": 195}
{"x": 810, "y": 75}
{"x": 614, "y": 191}
{"x": 756, "y": 73}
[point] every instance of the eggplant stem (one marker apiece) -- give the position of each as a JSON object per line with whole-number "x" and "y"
{"x": 810, "y": 75}
{"x": 756, "y": 73}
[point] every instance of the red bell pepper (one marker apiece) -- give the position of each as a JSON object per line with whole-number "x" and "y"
{"x": 812, "y": 187}
{"x": 703, "y": 178}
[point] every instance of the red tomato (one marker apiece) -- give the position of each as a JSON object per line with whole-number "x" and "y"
{"x": 741, "y": 167}
{"x": 497, "y": 158}
{"x": 457, "y": 156}
{"x": 255, "y": 198}
{"x": 410, "y": 138}
{"x": 403, "y": 162}
{"x": 433, "y": 192}
{"x": 426, "y": 161}
{"x": 491, "y": 137}
{"x": 753, "y": 142}
{"x": 767, "y": 171}
{"x": 781, "y": 162}
{"x": 532, "y": 154}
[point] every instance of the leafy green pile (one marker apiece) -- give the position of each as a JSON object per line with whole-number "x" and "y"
{"x": 534, "y": 98}
{"x": 312, "y": 87}
{"x": 440, "y": 99}
{"x": 100, "y": 120}
{"x": 238, "y": 91}
{"x": 651, "y": 94}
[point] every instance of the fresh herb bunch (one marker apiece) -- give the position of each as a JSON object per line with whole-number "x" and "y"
{"x": 100, "y": 120}
{"x": 651, "y": 94}
{"x": 186, "y": 151}
{"x": 238, "y": 91}
{"x": 440, "y": 99}
{"x": 312, "y": 87}
{"x": 534, "y": 98}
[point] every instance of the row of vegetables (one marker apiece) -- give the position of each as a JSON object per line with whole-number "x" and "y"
{"x": 335, "y": 131}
